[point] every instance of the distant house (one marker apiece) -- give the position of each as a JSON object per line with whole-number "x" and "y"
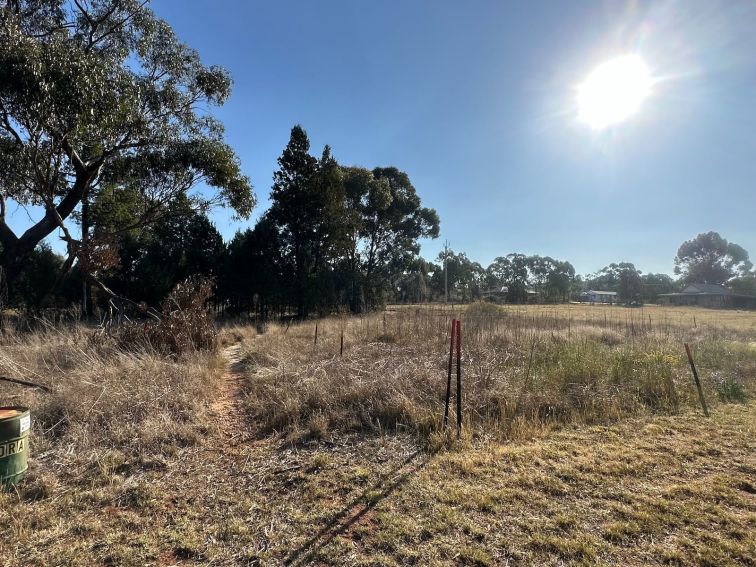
{"x": 593, "y": 296}
{"x": 708, "y": 295}
{"x": 496, "y": 295}
{"x": 531, "y": 295}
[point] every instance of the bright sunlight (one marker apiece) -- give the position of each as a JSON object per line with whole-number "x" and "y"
{"x": 613, "y": 91}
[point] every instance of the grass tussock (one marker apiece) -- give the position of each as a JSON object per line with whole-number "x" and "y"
{"x": 523, "y": 372}
{"x": 107, "y": 404}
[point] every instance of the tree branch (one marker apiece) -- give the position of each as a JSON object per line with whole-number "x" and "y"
{"x": 114, "y": 296}
{"x": 9, "y": 127}
{"x": 73, "y": 155}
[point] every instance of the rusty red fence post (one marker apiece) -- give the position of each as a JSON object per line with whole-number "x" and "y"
{"x": 341, "y": 349}
{"x": 316, "y": 333}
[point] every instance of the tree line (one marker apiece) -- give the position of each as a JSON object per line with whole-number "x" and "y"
{"x": 519, "y": 278}
{"x": 338, "y": 260}
{"x": 334, "y": 238}
{"x": 106, "y": 127}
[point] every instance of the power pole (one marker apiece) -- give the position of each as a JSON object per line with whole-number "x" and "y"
{"x": 446, "y": 277}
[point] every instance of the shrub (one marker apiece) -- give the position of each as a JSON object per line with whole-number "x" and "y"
{"x": 185, "y": 324}
{"x": 729, "y": 389}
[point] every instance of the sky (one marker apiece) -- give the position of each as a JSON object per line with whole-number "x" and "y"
{"x": 476, "y": 101}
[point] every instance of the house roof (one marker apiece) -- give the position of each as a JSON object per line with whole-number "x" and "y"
{"x": 711, "y": 289}
{"x": 504, "y": 289}
{"x": 601, "y": 292}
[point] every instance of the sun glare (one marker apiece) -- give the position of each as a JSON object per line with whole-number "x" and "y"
{"x": 613, "y": 91}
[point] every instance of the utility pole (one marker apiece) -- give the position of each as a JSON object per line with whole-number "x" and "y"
{"x": 446, "y": 277}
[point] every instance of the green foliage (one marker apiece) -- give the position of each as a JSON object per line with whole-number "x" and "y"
{"x": 182, "y": 243}
{"x": 252, "y": 275}
{"x": 730, "y": 390}
{"x": 623, "y": 278}
{"x": 35, "y": 286}
{"x": 340, "y": 235}
{"x": 652, "y": 285}
{"x": 102, "y": 97}
{"x": 709, "y": 258}
{"x": 464, "y": 277}
{"x": 412, "y": 284}
{"x": 307, "y": 202}
{"x": 745, "y": 285}
{"x": 384, "y": 220}
{"x": 551, "y": 279}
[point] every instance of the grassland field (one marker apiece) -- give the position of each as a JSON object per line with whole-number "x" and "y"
{"x": 583, "y": 442}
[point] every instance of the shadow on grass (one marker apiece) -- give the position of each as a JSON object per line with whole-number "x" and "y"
{"x": 360, "y": 506}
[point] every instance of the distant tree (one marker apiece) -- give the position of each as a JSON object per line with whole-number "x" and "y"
{"x": 35, "y": 283}
{"x": 577, "y": 286}
{"x": 652, "y": 285}
{"x": 384, "y": 218}
{"x": 559, "y": 280}
{"x": 391, "y": 228}
{"x": 101, "y": 94}
{"x": 744, "y": 285}
{"x": 152, "y": 261}
{"x": 363, "y": 195}
{"x": 465, "y": 277}
{"x": 510, "y": 271}
{"x": 333, "y": 237}
{"x": 709, "y": 258}
{"x": 622, "y": 277}
{"x": 253, "y": 277}
{"x": 551, "y": 278}
{"x": 412, "y": 284}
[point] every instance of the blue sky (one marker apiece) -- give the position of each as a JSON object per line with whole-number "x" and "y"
{"x": 476, "y": 102}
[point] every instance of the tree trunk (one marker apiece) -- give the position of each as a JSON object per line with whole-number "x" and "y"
{"x": 87, "y": 309}
{"x": 10, "y": 261}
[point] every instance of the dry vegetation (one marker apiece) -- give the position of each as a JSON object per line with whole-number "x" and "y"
{"x": 598, "y": 455}
{"x": 524, "y": 369}
{"x": 104, "y": 398}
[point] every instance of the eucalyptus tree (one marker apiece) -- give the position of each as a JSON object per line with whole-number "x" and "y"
{"x": 622, "y": 277}
{"x": 550, "y": 277}
{"x": 655, "y": 284}
{"x": 464, "y": 276}
{"x": 710, "y": 258}
{"x": 100, "y": 95}
{"x": 559, "y": 280}
{"x": 384, "y": 220}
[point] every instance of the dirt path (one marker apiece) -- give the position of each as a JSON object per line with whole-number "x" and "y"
{"x": 227, "y": 408}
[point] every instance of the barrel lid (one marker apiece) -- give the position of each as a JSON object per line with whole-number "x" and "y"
{"x": 8, "y": 413}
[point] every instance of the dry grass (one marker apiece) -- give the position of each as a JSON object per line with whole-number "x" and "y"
{"x": 107, "y": 405}
{"x": 648, "y": 491}
{"x": 658, "y": 316}
{"x": 524, "y": 370}
{"x": 131, "y": 466}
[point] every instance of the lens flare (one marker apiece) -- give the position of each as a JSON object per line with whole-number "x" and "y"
{"x": 613, "y": 91}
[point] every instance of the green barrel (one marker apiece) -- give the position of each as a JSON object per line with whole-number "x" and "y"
{"x": 15, "y": 423}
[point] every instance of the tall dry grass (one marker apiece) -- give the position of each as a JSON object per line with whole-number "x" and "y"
{"x": 107, "y": 402}
{"x": 521, "y": 370}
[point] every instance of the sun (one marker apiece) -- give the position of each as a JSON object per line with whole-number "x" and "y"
{"x": 613, "y": 91}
